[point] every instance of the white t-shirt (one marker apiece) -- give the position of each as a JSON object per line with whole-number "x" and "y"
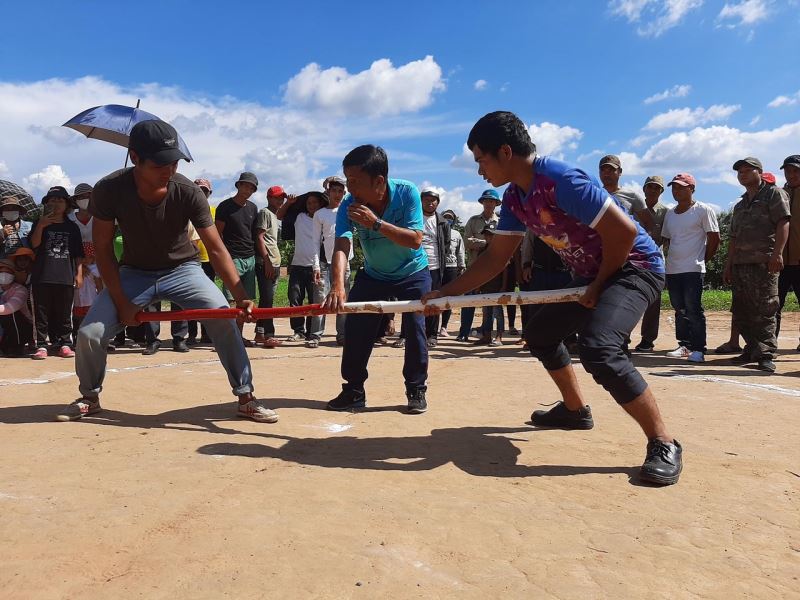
{"x": 687, "y": 238}
{"x": 86, "y": 294}
{"x": 429, "y": 242}
{"x": 86, "y": 229}
{"x": 325, "y": 234}
{"x": 305, "y": 248}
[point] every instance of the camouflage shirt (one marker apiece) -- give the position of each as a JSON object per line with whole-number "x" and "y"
{"x": 753, "y": 224}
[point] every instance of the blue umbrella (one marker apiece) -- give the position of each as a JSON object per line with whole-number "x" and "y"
{"x": 113, "y": 123}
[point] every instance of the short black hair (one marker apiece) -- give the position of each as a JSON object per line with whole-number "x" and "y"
{"x": 498, "y": 128}
{"x": 371, "y": 159}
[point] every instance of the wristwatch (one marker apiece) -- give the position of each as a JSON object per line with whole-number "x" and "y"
{"x": 376, "y": 226}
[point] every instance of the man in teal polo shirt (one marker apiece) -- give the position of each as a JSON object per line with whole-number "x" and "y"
{"x": 387, "y": 213}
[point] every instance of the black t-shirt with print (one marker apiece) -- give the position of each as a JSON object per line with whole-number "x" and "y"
{"x": 238, "y": 234}
{"x": 55, "y": 256}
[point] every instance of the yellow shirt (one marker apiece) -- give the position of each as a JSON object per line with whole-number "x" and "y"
{"x": 196, "y": 238}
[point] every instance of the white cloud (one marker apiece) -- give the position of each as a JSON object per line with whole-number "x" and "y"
{"x": 654, "y": 17}
{"x": 709, "y": 153}
{"x": 552, "y": 139}
{"x": 380, "y": 90}
{"x": 38, "y": 183}
{"x": 283, "y": 145}
{"x": 480, "y": 85}
{"x": 683, "y": 118}
{"x": 755, "y": 120}
{"x": 676, "y": 91}
{"x": 463, "y": 200}
{"x": 789, "y": 100}
{"x": 745, "y": 13}
{"x": 464, "y": 161}
{"x": 641, "y": 140}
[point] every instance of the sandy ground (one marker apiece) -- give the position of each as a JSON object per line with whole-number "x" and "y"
{"x": 166, "y": 495}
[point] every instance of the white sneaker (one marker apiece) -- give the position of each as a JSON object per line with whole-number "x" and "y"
{"x": 696, "y": 357}
{"x": 256, "y": 411}
{"x": 679, "y": 352}
{"x": 443, "y": 332}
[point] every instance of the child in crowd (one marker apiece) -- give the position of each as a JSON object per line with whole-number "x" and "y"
{"x": 59, "y": 250}
{"x": 16, "y": 327}
{"x": 88, "y": 286}
{"x": 13, "y": 230}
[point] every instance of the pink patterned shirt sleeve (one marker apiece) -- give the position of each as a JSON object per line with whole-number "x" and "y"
{"x": 13, "y": 299}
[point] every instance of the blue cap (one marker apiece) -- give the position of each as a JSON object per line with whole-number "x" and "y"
{"x": 489, "y": 195}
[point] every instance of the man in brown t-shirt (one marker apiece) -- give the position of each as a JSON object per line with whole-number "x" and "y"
{"x": 789, "y": 278}
{"x": 153, "y": 206}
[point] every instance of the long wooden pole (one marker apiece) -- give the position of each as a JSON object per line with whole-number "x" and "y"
{"x": 380, "y": 307}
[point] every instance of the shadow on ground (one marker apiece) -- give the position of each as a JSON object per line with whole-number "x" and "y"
{"x": 478, "y": 451}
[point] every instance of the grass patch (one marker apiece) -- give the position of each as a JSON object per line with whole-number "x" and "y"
{"x": 721, "y": 300}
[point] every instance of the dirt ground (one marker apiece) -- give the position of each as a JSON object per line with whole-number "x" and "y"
{"x": 166, "y": 494}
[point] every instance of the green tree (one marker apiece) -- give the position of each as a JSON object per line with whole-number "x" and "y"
{"x": 716, "y": 266}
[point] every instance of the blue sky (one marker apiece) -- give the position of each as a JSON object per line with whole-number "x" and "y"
{"x": 285, "y": 89}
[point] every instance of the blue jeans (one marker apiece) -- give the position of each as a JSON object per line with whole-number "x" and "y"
{"x": 186, "y": 285}
{"x": 362, "y": 330}
{"x": 685, "y": 295}
{"x": 490, "y": 314}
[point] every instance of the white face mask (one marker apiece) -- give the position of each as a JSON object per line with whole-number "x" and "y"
{"x": 83, "y": 203}
{"x": 11, "y": 215}
{"x": 6, "y": 278}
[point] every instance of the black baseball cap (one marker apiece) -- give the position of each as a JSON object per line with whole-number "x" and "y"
{"x": 57, "y": 191}
{"x": 750, "y": 160}
{"x": 792, "y": 161}
{"x": 157, "y": 141}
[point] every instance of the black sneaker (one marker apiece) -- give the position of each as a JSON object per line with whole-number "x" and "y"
{"x": 663, "y": 463}
{"x": 192, "y": 341}
{"x": 179, "y": 346}
{"x": 560, "y": 417}
{"x": 644, "y": 347}
{"x": 416, "y": 401}
{"x": 348, "y": 400}
{"x": 742, "y": 359}
{"x": 151, "y": 348}
{"x": 766, "y": 365}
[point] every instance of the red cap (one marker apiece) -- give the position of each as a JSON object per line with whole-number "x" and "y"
{"x": 276, "y": 191}
{"x": 683, "y": 179}
{"x": 768, "y": 177}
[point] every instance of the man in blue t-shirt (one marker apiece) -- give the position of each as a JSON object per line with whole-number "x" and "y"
{"x": 387, "y": 214}
{"x": 605, "y": 249}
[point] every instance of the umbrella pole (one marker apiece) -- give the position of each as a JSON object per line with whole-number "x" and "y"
{"x": 128, "y": 153}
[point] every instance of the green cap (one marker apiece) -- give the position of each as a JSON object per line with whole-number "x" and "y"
{"x": 657, "y": 179}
